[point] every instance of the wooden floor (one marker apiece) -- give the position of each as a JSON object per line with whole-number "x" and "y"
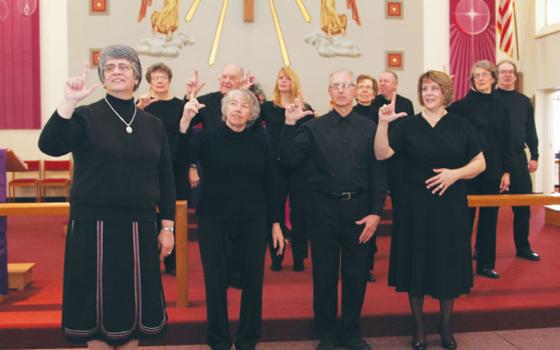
{"x": 529, "y": 339}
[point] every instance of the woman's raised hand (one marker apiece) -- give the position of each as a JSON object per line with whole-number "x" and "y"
{"x": 387, "y": 112}
{"x": 190, "y": 109}
{"x": 76, "y": 89}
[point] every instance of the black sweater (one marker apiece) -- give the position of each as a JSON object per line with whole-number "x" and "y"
{"x": 237, "y": 171}
{"x": 491, "y": 121}
{"x": 115, "y": 173}
{"x": 522, "y": 117}
{"x": 170, "y": 112}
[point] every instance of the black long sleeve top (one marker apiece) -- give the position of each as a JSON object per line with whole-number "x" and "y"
{"x": 490, "y": 119}
{"x": 238, "y": 173}
{"x": 341, "y": 152}
{"x": 115, "y": 173}
{"x": 522, "y": 118}
{"x": 169, "y": 112}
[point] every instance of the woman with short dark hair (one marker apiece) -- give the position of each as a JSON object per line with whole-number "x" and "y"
{"x": 113, "y": 292}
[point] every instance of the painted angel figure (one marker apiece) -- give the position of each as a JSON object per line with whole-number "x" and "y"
{"x": 166, "y": 21}
{"x": 333, "y": 23}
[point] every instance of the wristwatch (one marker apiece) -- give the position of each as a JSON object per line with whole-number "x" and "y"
{"x": 192, "y": 166}
{"x": 168, "y": 228}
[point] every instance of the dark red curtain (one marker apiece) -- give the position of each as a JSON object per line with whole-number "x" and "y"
{"x": 20, "y": 88}
{"x": 472, "y": 37}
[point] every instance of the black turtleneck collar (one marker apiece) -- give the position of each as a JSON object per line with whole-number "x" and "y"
{"x": 479, "y": 95}
{"x": 125, "y": 108}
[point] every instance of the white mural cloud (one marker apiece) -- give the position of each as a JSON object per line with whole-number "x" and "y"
{"x": 163, "y": 46}
{"x": 332, "y": 46}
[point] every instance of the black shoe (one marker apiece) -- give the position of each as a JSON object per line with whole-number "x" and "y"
{"x": 528, "y": 254}
{"x": 450, "y": 342}
{"x": 276, "y": 265}
{"x": 488, "y": 272}
{"x": 371, "y": 277}
{"x": 171, "y": 272}
{"x": 418, "y": 345}
{"x": 326, "y": 344}
{"x": 356, "y": 344}
{"x": 298, "y": 265}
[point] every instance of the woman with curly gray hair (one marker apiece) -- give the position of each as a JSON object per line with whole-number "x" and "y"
{"x": 237, "y": 203}
{"x": 112, "y": 292}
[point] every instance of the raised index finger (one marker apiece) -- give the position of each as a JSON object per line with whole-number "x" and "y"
{"x": 85, "y": 71}
{"x": 393, "y": 100}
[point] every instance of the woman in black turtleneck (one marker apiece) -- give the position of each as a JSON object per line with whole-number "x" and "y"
{"x": 292, "y": 181}
{"x": 367, "y": 90}
{"x": 112, "y": 292}
{"x": 490, "y": 118}
{"x": 237, "y": 205}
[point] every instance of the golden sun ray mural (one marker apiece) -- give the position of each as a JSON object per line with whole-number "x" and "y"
{"x": 275, "y": 19}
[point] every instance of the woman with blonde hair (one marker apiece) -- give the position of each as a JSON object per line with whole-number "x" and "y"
{"x": 292, "y": 181}
{"x": 430, "y": 254}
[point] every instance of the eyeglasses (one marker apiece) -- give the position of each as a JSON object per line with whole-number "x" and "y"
{"x": 123, "y": 67}
{"x": 504, "y": 72}
{"x": 482, "y": 75}
{"x": 338, "y": 86}
{"x": 159, "y": 78}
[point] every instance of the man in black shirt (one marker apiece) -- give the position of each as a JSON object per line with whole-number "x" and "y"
{"x": 349, "y": 190}
{"x": 388, "y": 84}
{"x": 523, "y": 133}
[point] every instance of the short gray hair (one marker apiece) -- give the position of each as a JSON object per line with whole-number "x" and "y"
{"x": 253, "y": 101}
{"x": 124, "y": 52}
{"x": 343, "y": 70}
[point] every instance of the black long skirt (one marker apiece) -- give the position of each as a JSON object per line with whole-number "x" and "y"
{"x": 112, "y": 283}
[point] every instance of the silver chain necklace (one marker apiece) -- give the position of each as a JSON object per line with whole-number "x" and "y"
{"x": 128, "y": 125}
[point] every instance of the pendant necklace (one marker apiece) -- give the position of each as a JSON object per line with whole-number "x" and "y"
{"x": 128, "y": 125}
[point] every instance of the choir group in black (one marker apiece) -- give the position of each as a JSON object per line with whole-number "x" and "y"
{"x": 133, "y": 158}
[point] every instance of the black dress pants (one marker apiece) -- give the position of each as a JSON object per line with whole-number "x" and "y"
{"x": 292, "y": 186}
{"x": 487, "y": 223}
{"x": 334, "y": 248}
{"x": 218, "y": 237}
{"x": 181, "y": 183}
{"x": 521, "y": 184}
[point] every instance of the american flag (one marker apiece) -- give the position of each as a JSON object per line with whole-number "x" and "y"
{"x": 505, "y": 26}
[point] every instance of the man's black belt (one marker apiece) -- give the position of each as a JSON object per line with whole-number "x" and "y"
{"x": 343, "y": 196}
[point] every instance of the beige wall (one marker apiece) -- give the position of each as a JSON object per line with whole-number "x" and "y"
{"x": 68, "y": 31}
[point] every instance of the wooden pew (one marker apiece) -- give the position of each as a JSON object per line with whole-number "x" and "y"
{"x": 62, "y": 209}
{"x": 508, "y": 200}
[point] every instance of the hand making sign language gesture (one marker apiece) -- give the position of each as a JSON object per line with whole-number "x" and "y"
{"x": 75, "y": 90}
{"x": 387, "y": 112}
{"x": 381, "y": 142}
{"x": 294, "y": 111}
{"x": 194, "y": 85}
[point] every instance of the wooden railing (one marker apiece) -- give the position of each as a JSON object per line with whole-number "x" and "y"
{"x": 62, "y": 209}
{"x": 49, "y": 209}
{"x": 508, "y": 200}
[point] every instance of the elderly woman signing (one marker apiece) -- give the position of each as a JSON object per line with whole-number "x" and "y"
{"x": 237, "y": 203}
{"x": 112, "y": 285}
